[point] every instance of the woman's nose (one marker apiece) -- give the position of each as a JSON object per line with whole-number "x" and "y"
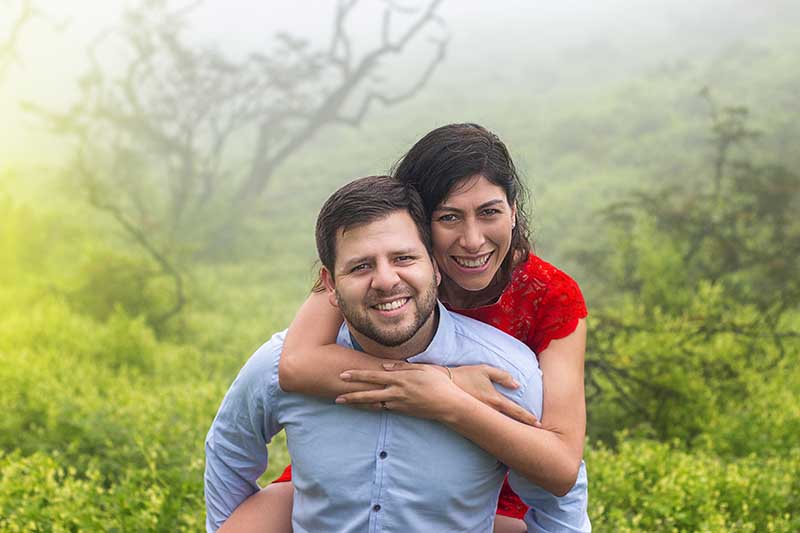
{"x": 472, "y": 238}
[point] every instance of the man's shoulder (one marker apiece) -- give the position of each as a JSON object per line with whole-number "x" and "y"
{"x": 261, "y": 369}
{"x": 498, "y": 348}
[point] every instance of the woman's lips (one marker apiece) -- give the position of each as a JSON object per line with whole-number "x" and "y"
{"x": 472, "y": 264}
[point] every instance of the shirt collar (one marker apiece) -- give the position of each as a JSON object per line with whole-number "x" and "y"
{"x": 438, "y": 350}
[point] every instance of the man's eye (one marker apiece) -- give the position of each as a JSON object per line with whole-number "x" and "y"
{"x": 362, "y": 266}
{"x": 405, "y": 258}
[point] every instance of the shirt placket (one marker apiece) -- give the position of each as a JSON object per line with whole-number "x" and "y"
{"x": 377, "y": 510}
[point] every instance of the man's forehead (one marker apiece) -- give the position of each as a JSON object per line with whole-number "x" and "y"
{"x": 398, "y": 222}
{"x": 394, "y": 232}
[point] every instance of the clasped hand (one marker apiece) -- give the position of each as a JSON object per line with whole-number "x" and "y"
{"x": 426, "y": 391}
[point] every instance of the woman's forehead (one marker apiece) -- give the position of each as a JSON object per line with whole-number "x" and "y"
{"x": 476, "y": 190}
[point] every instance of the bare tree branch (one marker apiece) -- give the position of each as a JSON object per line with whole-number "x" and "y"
{"x": 329, "y": 110}
{"x": 10, "y": 42}
{"x": 102, "y": 203}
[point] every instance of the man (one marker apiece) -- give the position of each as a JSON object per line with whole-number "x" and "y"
{"x": 356, "y": 470}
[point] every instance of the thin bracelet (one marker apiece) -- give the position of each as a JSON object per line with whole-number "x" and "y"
{"x": 449, "y": 373}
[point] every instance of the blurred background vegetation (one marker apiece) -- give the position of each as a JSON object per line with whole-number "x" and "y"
{"x": 162, "y": 164}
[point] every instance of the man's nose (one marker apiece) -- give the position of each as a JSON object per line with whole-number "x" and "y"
{"x": 472, "y": 238}
{"x": 385, "y": 278}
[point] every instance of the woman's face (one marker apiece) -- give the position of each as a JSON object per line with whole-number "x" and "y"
{"x": 472, "y": 232}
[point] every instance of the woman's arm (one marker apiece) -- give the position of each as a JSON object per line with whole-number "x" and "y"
{"x": 549, "y": 457}
{"x": 564, "y": 405}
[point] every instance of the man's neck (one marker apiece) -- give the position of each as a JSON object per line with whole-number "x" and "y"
{"x": 413, "y": 346}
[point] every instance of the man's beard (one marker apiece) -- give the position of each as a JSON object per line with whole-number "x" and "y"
{"x": 388, "y": 335}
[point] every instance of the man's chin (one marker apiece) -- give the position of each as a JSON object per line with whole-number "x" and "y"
{"x": 391, "y": 339}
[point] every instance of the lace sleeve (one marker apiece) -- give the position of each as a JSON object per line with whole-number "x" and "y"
{"x": 559, "y": 311}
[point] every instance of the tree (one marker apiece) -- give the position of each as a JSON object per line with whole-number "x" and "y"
{"x": 706, "y": 286}
{"x": 178, "y": 141}
{"x": 24, "y": 13}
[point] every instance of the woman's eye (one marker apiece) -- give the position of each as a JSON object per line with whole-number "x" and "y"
{"x": 447, "y": 218}
{"x": 490, "y": 212}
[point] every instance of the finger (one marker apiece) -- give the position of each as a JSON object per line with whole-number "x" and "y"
{"x": 379, "y": 377}
{"x": 400, "y": 365}
{"x": 515, "y": 411}
{"x": 377, "y": 396}
{"x": 501, "y": 377}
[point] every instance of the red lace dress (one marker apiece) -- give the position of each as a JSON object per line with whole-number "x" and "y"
{"x": 540, "y": 304}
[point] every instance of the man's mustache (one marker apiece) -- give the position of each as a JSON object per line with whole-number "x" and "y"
{"x": 375, "y": 297}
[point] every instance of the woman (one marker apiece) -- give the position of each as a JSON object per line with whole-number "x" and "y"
{"x": 474, "y": 197}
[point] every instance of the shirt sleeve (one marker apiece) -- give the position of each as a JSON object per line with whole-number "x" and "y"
{"x": 236, "y": 444}
{"x": 554, "y": 514}
{"x": 549, "y": 513}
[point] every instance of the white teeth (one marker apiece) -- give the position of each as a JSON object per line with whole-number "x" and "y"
{"x": 392, "y": 305}
{"x": 472, "y": 263}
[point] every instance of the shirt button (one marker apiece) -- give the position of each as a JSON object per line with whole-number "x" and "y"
{"x": 376, "y": 507}
{"x": 383, "y": 455}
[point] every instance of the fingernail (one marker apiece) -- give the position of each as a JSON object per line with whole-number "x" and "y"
{"x": 514, "y": 383}
{"x": 345, "y": 376}
{"x": 387, "y": 366}
{"x": 340, "y": 400}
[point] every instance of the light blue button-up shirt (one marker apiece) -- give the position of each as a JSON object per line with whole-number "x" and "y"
{"x": 356, "y": 471}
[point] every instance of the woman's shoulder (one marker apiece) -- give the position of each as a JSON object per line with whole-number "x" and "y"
{"x": 537, "y": 276}
{"x": 536, "y": 266}
{"x": 549, "y": 298}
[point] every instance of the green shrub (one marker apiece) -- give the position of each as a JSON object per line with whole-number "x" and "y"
{"x": 655, "y": 486}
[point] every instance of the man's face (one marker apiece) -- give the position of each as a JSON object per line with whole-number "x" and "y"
{"x": 385, "y": 281}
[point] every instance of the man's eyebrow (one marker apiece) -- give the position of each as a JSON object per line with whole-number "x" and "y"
{"x": 356, "y": 261}
{"x": 407, "y": 251}
{"x": 484, "y": 205}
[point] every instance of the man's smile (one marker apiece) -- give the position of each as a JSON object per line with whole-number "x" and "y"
{"x": 391, "y": 305}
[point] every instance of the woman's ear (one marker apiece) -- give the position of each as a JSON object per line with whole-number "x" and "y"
{"x": 330, "y": 286}
{"x": 514, "y": 215}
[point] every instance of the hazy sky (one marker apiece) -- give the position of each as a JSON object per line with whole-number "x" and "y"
{"x": 486, "y": 37}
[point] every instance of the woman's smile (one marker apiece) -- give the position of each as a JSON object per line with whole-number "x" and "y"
{"x": 473, "y": 264}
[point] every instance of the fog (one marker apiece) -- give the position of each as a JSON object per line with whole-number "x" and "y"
{"x": 547, "y": 45}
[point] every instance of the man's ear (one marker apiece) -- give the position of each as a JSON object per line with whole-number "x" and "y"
{"x": 330, "y": 286}
{"x": 436, "y": 272}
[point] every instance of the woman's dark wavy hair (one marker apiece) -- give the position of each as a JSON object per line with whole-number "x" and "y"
{"x": 446, "y": 156}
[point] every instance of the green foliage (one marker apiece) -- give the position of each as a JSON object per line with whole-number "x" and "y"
{"x": 657, "y": 486}
{"x": 702, "y": 291}
{"x": 38, "y": 493}
{"x": 111, "y": 280}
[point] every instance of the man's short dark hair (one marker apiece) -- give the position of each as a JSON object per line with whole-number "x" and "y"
{"x": 363, "y": 201}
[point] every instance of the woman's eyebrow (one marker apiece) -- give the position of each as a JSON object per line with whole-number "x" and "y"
{"x": 484, "y": 205}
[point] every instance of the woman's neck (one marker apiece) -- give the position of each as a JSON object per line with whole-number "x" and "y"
{"x": 456, "y": 296}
